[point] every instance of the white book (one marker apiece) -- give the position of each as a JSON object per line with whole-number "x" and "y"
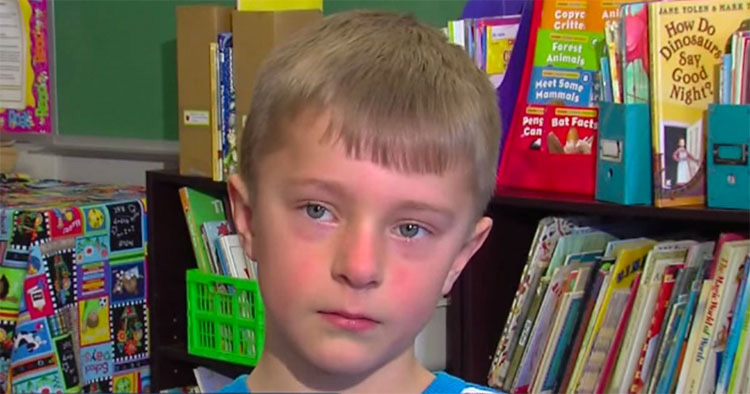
{"x": 692, "y": 344}
{"x": 719, "y": 330}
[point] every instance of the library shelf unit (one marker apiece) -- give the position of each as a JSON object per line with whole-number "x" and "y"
{"x": 478, "y": 304}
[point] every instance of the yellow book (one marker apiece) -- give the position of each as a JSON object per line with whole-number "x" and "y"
{"x": 629, "y": 261}
{"x": 279, "y": 5}
{"x": 686, "y": 40}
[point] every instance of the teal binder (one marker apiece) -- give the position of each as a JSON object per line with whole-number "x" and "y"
{"x": 728, "y": 178}
{"x": 623, "y": 163}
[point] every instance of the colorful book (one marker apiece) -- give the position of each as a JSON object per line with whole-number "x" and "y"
{"x": 602, "y": 12}
{"x": 564, "y": 14}
{"x": 571, "y": 131}
{"x": 568, "y": 49}
{"x": 634, "y": 53}
{"x": 211, "y": 231}
{"x": 227, "y": 109}
{"x": 215, "y": 119}
{"x": 692, "y": 340}
{"x": 687, "y": 40}
{"x": 738, "y": 381}
{"x": 560, "y": 86}
{"x": 738, "y": 317}
{"x": 199, "y": 208}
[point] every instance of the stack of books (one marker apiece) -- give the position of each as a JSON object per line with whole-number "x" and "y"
{"x": 601, "y": 309}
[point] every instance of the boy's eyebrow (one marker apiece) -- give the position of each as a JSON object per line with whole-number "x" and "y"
{"x": 324, "y": 186}
{"x": 412, "y": 205}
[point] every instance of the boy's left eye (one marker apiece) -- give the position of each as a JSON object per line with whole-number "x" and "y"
{"x": 411, "y": 230}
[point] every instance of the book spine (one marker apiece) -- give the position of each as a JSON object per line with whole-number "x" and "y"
{"x": 743, "y": 345}
{"x": 738, "y": 316}
{"x": 195, "y": 238}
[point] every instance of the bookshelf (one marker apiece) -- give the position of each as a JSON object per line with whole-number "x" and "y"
{"x": 478, "y": 304}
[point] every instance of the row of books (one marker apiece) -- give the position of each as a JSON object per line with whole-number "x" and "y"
{"x": 625, "y": 59}
{"x": 215, "y": 243}
{"x": 734, "y": 75}
{"x": 488, "y": 41}
{"x": 223, "y": 108}
{"x": 601, "y": 309}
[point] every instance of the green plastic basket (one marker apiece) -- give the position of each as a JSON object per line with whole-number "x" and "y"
{"x": 225, "y": 318}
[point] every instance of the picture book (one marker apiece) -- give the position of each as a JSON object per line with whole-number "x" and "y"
{"x": 564, "y": 14}
{"x": 524, "y": 337}
{"x": 590, "y": 298}
{"x": 549, "y": 230}
{"x": 25, "y": 90}
{"x": 496, "y": 38}
{"x": 560, "y": 86}
{"x": 628, "y": 262}
{"x": 737, "y": 320}
{"x": 570, "y": 131}
{"x": 228, "y": 152}
{"x": 634, "y": 53}
{"x": 739, "y": 374}
{"x": 602, "y": 12}
{"x": 691, "y": 342}
{"x": 669, "y": 339}
{"x": 715, "y": 323}
{"x": 211, "y": 231}
{"x": 687, "y": 41}
{"x": 568, "y": 49}
{"x": 199, "y": 208}
{"x": 215, "y": 119}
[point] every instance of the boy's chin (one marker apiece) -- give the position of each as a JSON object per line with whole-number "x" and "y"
{"x": 346, "y": 360}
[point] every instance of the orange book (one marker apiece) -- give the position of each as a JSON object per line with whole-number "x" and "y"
{"x": 601, "y": 12}
{"x": 564, "y": 14}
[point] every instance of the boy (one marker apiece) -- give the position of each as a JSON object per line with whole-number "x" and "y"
{"x": 367, "y": 160}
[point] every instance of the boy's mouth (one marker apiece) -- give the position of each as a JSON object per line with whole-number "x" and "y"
{"x": 349, "y": 321}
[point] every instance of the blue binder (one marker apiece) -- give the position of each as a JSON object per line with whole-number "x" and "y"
{"x": 728, "y": 175}
{"x": 623, "y": 163}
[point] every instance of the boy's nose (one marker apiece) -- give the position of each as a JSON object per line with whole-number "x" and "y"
{"x": 358, "y": 261}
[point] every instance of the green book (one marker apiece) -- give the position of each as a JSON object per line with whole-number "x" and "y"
{"x": 200, "y": 208}
{"x": 568, "y": 49}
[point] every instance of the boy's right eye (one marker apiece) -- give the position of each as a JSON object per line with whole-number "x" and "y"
{"x": 316, "y": 211}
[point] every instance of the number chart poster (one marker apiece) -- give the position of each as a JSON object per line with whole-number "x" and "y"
{"x": 24, "y": 61}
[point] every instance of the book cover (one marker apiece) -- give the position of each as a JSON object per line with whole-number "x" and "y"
{"x": 715, "y": 323}
{"x": 564, "y": 14}
{"x": 579, "y": 328}
{"x": 525, "y": 335}
{"x": 602, "y": 12}
{"x": 687, "y": 40}
{"x": 228, "y": 132}
{"x": 568, "y": 49}
{"x": 214, "y": 82}
{"x": 739, "y": 375}
{"x": 497, "y": 36}
{"x": 649, "y": 347}
{"x": 668, "y": 378}
{"x": 200, "y": 207}
{"x": 691, "y": 341}
{"x": 628, "y": 262}
{"x": 571, "y": 131}
{"x": 549, "y": 230}
{"x": 634, "y": 53}
{"x": 560, "y": 86}
{"x": 738, "y": 316}
{"x": 616, "y": 343}
{"x": 25, "y": 91}
{"x": 676, "y": 314}
{"x": 212, "y": 231}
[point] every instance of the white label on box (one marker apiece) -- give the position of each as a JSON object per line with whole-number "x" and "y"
{"x": 196, "y": 118}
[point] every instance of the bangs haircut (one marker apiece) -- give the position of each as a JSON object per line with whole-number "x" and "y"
{"x": 397, "y": 92}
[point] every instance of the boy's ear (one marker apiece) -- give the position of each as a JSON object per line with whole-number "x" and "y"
{"x": 476, "y": 239}
{"x": 239, "y": 199}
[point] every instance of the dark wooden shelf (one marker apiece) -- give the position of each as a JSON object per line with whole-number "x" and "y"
{"x": 571, "y": 203}
{"x": 197, "y": 182}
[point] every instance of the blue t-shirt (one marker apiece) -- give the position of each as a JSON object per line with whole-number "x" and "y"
{"x": 443, "y": 384}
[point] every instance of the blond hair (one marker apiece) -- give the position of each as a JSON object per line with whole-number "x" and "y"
{"x": 399, "y": 95}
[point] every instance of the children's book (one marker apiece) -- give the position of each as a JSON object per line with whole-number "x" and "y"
{"x": 211, "y": 231}
{"x": 687, "y": 41}
{"x": 628, "y": 262}
{"x": 669, "y": 339}
{"x": 564, "y": 14}
{"x": 738, "y": 316}
{"x": 215, "y": 119}
{"x": 525, "y": 335}
{"x": 568, "y": 49}
{"x": 615, "y": 345}
{"x": 548, "y": 232}
{"x": 602, "y": 12}
{"x": 560, "y": 86}
{"x": 691, "y": 341}
{"x": 738, "y": 380}
{"x": 199, "y": 208}
{"x": 634, "y": 53}
{"x": 579, "y": 328}
{"x": 228, "y": 154}
{"x": 702, "y": 374}
{"x": 571, "y": 131}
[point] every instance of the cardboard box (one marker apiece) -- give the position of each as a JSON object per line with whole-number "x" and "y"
{"x": 254, "y": 35}
{"x": 197, "y": 27}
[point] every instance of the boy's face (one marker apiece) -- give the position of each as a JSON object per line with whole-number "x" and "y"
{"x": 352, "y": 256}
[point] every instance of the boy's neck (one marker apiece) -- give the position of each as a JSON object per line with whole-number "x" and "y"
{"x": 403, "y": 374}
